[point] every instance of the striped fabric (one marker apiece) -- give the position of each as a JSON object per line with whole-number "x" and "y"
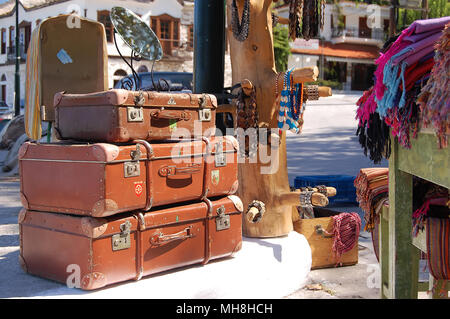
{"x": 346, "y": 229}
{"x": 438, "y": 247}
{"x": 372, "y": 189}
{"x": 33, "y": 125}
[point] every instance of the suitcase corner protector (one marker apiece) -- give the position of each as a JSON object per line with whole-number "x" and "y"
{"x": 106, "y": 152}
{"x": 234, "y": 188}
{"x": 237, "y": 248}
{"x": 22, "y": 263}
{"x": 23, "y": 150}
{"x": 104, "y": 207}
{"x": 21, "y": 216}
{"x": 231, "y": 139}
{"x": 93, "y": 227}
{"x": 237, "y": 203}
{"x": 94, "y": 280}
{"x": 57, "y": 98}
{"x": 24, "y": 201}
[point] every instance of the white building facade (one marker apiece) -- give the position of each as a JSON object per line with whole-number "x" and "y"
{"x": 348, "y": 44}
{"x": 171, "y": 20}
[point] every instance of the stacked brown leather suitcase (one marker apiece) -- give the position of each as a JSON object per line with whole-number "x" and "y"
{"x": 121, "y": 196}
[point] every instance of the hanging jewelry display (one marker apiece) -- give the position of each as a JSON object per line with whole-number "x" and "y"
{"x": 274, "y": 19}
{"x": 247, "y": 118}
{"x": 292, "y": 104}
{"x": 312, "y": 92}
{"x": 240, "y": 28}
{"x": 306, "y": 17}
{"x": 295, "y": 18}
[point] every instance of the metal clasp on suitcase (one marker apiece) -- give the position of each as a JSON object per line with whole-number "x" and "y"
{"x": 133, "y": 168}
{"x": 222, "y": 220}
{"x": 135, "y": 114}
{"x": 219, "y": 156}
{"x": 122, "y": 240}
{"x": 204, "y": 115}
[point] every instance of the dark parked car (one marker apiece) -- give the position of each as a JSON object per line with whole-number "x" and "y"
{"x": 178, "y": 81}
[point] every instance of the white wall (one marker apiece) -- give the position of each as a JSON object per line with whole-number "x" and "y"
{"x": 350, "y": 10}
{"x": 302, "y": 60}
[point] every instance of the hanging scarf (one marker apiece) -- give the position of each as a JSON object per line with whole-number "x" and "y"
{"x": 33, "y": 125}
{"x": 434, "y": 99}
{"x": 346, "y": 229}
{"x": 438, "y": 250}
{"x": 406, "y": 38}
{"x": 374, "y": 138}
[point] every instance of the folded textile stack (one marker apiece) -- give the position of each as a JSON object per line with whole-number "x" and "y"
{"x": 403, "y": 68}
{"x": 372, "y": 191}
{"x": 429, "y": 201}
{"x": 434, "y": 99}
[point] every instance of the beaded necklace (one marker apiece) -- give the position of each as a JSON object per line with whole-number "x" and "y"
{"x": 306, "y": 17}
{"x": 297, "y": 104}
{"x": 240, "y": 28}
{"x": 286, "y": 119}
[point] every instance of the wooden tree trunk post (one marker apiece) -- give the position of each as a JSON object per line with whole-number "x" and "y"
{"x": 253, "y": 63}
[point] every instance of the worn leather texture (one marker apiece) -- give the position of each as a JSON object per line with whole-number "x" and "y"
{"x": 118, "y": 115}
{"x": 104, "y": 179}
{"x": 54, "y": 246}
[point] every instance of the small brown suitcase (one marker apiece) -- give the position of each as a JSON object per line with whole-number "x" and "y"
{"x": 90, "y": 253}
{"x": 104, "y": 179}
{"x": 118, "y": 115}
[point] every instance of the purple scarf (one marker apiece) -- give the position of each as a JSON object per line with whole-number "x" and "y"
{"x": 408, "y": 36}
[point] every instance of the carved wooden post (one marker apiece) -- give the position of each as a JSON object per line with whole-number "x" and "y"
{"x": 253, "y": 60}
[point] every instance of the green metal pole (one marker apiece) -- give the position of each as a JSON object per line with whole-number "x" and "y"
{"x": 17, "y": 74}
{"x": 209, "y": 46}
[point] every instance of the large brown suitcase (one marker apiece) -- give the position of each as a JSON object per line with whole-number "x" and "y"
{"x": 117, "y": 116}
{"x": 105, "y": 179}
{"x": 90, "y": 253}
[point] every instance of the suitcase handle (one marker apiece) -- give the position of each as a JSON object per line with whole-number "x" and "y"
{"x": 160, "y": 238}
{"x": 167, "y": 171}
{"x": 171, "y": 115}
{"x": 322, "y": 232}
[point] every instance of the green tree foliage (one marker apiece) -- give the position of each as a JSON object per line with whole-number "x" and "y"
{"x": 436, "y": 9}
{"x": 281, "y": 47}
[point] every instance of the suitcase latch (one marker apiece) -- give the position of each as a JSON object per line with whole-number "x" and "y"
{"x": 135, "y": 114}
{"x": 132, "y": 169}
{"x": 202, "y": 100}
{"x": 219, "y": 156}
{"x": 122, "y": 240}
{"x": 222, "y": 220}
{"x": 204, "y": 115}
